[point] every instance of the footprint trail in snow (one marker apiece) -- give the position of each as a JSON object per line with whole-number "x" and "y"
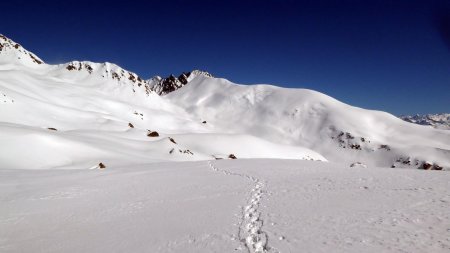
{"x": 250, "y": 232}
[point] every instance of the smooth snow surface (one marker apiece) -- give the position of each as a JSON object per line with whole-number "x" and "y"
{"x": 81, "y": 114}
{"x": 225, "y": 206}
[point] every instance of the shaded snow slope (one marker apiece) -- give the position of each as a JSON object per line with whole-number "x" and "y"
{"x": 225, "y": 206}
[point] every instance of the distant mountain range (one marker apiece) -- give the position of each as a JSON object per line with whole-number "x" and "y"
{"x": 439, "y": 121}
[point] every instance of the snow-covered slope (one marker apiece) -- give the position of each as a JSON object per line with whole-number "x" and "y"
{"x": 81, "y": 114}
{"x": 140, "y": 194}
{"x": 339, "y": 132}
{"x": 12, "y": 52}
{"x": 439, "y": 121}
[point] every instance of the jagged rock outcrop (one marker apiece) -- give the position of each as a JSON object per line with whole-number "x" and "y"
{"x": 163, "y": 86}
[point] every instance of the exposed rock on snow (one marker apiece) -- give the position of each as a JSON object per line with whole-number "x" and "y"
{"x": 232, "y": 156}
{"x": 430, "y": 166}
{"x": 11, "y": 51}
{"x": 163, "y": 86}
{"x": 105, "y": 70}
{"x": 153, "y": 134}
{"x": 347, "y": 140}
{"x": 358, "y": 164}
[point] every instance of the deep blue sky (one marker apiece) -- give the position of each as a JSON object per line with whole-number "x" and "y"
{"x": 385, "y": 55}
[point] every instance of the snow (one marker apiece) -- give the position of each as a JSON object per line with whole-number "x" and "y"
{"x": 225, "y": 206}
{"x": 78, "y": 171}
{"x": 313, "y": 120}
{"x": 91, "y": 105}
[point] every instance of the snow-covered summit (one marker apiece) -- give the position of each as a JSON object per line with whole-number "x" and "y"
{"x": 106, "y": 71}
{"x": 13, "y": 53}
{"x": 439, "y": 121}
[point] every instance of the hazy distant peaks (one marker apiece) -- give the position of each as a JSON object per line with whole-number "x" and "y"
{"x": 440, "y": 121}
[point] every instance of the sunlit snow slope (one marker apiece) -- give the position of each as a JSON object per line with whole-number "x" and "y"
{"x": 81, "y": 114}
{"x": 340, "y": 132}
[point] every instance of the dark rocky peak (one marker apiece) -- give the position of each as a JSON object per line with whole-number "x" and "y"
{"x": 169, "y": 84}
{"x": 163, "y": 86}
{"x": 183, "y": 78}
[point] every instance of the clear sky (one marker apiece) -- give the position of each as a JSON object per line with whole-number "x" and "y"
{"x": 389, "y": 55}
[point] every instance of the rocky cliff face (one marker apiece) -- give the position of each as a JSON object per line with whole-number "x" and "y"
{"x": 163, "y": 86}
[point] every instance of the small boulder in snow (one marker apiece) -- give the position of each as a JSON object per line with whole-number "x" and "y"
{"x": 430, "y": 166}
{"x": 153, "y": 134}
{"x": 427, "y": 166}
{"x": 232, "y": 156}
{"x": 130, "y": 125}
{"x": 358, "y": 164}
{"x": 101, "y": 166}
{"x": 437, "y": 167}
{"x": 385, "y": 147}
{"x": 52, "y": 128}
